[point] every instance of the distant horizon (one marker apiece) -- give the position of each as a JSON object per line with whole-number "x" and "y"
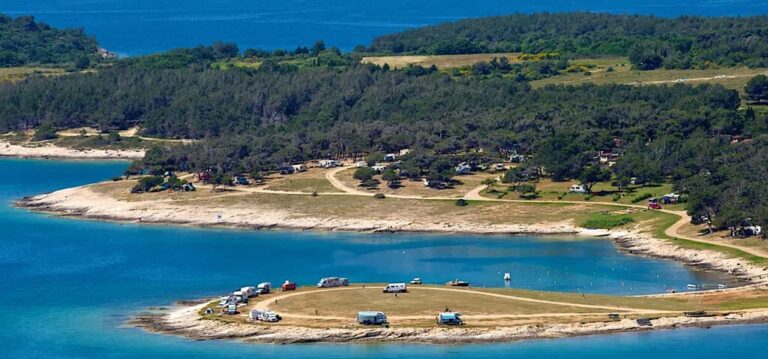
{"x": 141, "y": 27}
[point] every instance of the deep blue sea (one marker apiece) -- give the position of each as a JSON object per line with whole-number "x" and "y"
{"x": 132, "y": 27}
{"x": 68, "y": 285}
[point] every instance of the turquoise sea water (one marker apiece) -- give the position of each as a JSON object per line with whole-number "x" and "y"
{"x": 68, "y": 285}
{"x": 132, "y": 27}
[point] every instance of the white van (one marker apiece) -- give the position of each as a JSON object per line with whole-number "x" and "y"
{"x": 395, "y": 288}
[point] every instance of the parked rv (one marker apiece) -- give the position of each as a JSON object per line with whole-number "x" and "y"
{"x": 332, "y": 282}
{"x": 372, "y": 318}
{"x": 449, "y": 318}
{"x": 264, "y": 288}
{"x": 577, "y": 188}
{"x": 265, "y": 316}
{"x": 241, "y": 298}
{"x": 395, "y": 288}
{"x": 231, "y": 309}
{"x": 250, "y": 292}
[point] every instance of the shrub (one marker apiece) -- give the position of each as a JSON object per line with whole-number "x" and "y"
{"x": 379, "y": 196}
{"x": 46, "y": 131}
{"x": 641, "y": 197}
{"x": 146, "y": 183}
{"x": 461, "y": 202}
{"x": 606, "y": 221}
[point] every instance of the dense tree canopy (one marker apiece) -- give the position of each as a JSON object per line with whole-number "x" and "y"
{"x": 649, "y": 41}
{"x": 26, "y": 42}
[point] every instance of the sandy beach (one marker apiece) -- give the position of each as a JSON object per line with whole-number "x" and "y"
{"x": 8, "y": 149}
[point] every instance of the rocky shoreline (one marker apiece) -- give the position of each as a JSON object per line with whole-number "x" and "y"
{"x": 186, "y": 322}
{"x": 83, "y": 202}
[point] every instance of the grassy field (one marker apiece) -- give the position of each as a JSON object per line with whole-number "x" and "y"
{"x": 313, "y": 307}
{"x": 597, "y": 72}
{"x": 17, "y": 73}
{"x": 441, "y": 61}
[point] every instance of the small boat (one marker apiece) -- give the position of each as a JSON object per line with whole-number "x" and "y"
{"x": 692, "y": 287}
{"x": 458, "y": 283}
{"x": 507, "y": 277}
{"x": 416, "y": 281}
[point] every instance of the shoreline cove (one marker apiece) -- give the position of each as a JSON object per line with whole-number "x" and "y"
{"x": 82, "y": 202}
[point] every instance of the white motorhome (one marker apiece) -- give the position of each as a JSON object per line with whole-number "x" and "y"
{"x": 248, "y": 291}
{"x": 264, "y": 316}
{"x": 578, "y": 188}
{"x": 264, "y": 288}
{"x": 332, "y": 282}
{"x": 395, "y": 288}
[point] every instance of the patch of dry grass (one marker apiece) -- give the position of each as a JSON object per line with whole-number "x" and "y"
{"x": 441, "y": 61}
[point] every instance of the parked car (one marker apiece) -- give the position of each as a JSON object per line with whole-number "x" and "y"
{"x": 654, "y": 205}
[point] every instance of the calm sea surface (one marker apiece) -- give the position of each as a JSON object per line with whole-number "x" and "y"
{"x": 68, "y": 285}
{"x": 132, "y": 27}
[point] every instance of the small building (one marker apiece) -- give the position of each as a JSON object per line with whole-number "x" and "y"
{"x": 577, "y": 188}
{"x": 449, "y": 318}
{"x": 372, "y": 318}
{"x": 299, "y": 167}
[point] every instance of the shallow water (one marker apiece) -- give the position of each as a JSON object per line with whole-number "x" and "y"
{"x": 132, "y": 27}
{"x": 68, "y": 285}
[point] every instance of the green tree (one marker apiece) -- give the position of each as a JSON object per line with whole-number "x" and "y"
{"x": 593, "y": 174}
{"x": 46, "y": 131}
{"x": 363, "y": 174}
{"x": 757, "y": 89}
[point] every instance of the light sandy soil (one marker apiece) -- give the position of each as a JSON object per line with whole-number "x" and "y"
{"x": 8, "y": 149}
{"x": 186, "y": 322}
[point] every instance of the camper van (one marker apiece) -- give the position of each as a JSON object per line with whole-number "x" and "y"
{"x": 577, "y": 188}
{"x": 250, "y": 292}
{"x": 265, "y": 316}
{"x": 241, "y": 298}
{"x": 332, "y": 282}
{"x": 372, "y": 318}
{"x": 449, "y": 318}
{"x": 264, "y": 288}
{"x": 395, "y": 288}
